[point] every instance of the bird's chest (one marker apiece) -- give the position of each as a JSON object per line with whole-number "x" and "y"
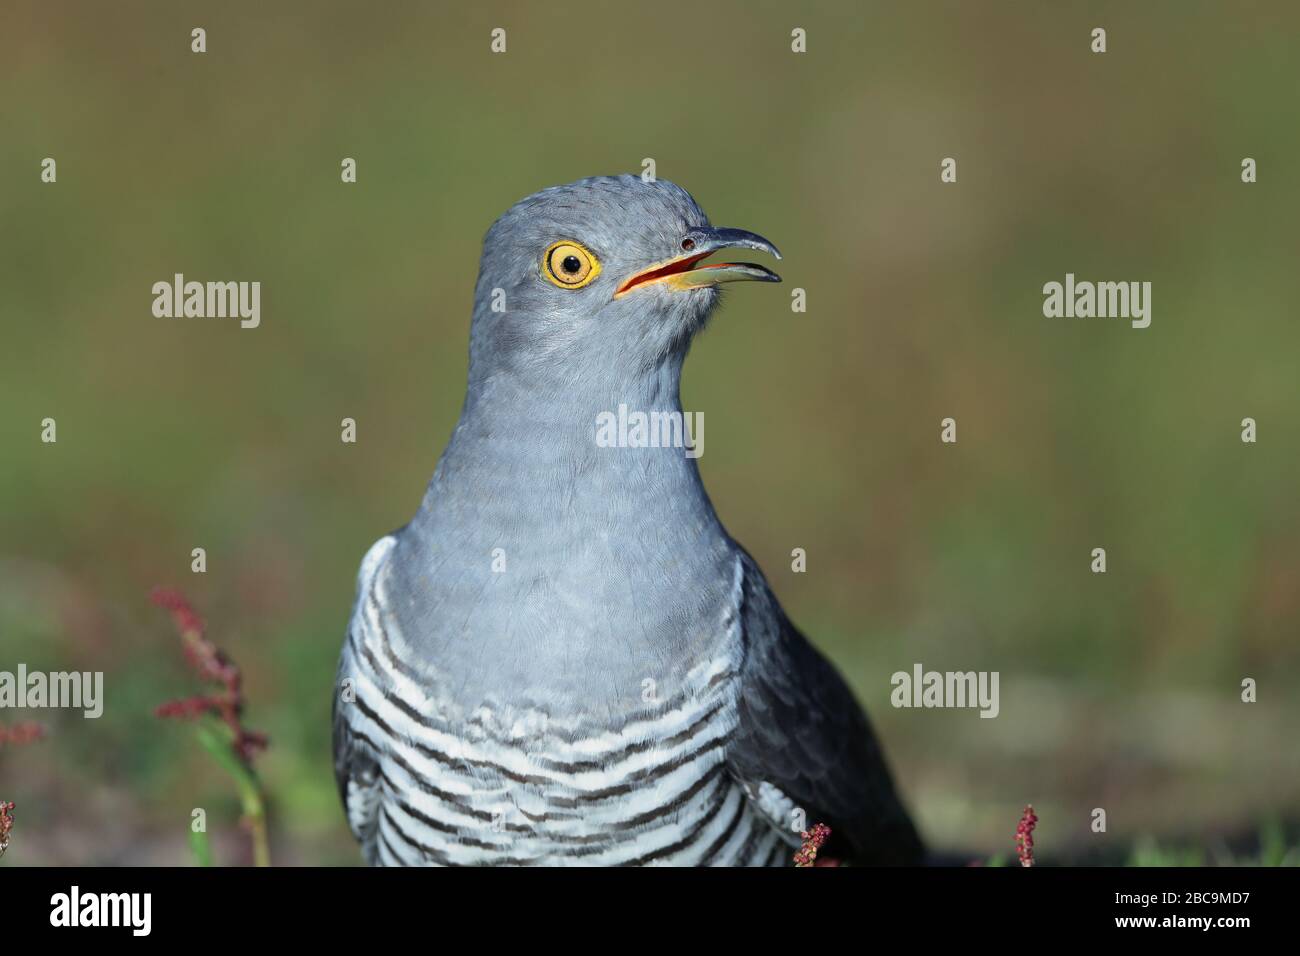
{"x": 523, "y": 788}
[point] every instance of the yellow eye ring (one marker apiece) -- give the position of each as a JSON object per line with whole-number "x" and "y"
{"x": 569, "y": 264}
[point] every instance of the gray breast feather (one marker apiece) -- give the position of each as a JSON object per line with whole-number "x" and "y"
{"x": 766, "y": 728}
{"x": 500, "y": 783}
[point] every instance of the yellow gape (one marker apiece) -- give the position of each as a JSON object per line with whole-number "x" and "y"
{"x": 569, "y": 264}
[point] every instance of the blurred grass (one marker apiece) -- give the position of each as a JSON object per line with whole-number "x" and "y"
{"x": 924, "y": 301}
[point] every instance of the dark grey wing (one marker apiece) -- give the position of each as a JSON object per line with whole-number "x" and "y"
{"x": 802, "y": 732}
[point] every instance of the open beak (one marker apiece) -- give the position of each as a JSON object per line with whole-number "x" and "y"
{"x": 688, "y": 272}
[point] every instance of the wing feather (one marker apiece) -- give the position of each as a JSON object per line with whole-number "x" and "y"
{"x": 802, "y": 732}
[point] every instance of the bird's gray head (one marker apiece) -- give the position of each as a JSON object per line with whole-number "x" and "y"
{"x": 599, "y": 281}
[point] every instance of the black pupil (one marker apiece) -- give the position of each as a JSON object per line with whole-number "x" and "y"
{"x": 688, "y": 244}
{"x": 571, "y": 264}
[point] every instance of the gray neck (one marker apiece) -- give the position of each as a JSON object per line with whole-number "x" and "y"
{"x": 525, "y": 455}
{"x": 561, "y": 561}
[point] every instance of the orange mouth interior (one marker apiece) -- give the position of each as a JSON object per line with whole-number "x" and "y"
{"x": 654, "y": 274}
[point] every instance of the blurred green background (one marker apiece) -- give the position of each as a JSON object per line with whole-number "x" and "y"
{"x": 924, "y": 301}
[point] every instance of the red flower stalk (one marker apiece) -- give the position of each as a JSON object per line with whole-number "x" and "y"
{"x": 1025, "y": 836}
{"x": 812, "y": 842}
{"x": 6, "y": 824}
{"x": 187, "y": 620}
{"x": 227, "y": 702}
{"x": 19, "y": 735}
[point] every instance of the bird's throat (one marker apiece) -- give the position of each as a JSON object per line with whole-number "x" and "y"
{"x": 581, "y": 459}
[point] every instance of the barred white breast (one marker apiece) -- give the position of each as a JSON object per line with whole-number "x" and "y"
{"x": 517, "y": 786}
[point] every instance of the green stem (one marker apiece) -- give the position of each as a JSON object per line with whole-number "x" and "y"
{"x": 218, "y": 741}
{"x": 200, "y": 846}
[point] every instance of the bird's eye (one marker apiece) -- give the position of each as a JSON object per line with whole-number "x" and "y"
{"x": 569, "y": 264}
